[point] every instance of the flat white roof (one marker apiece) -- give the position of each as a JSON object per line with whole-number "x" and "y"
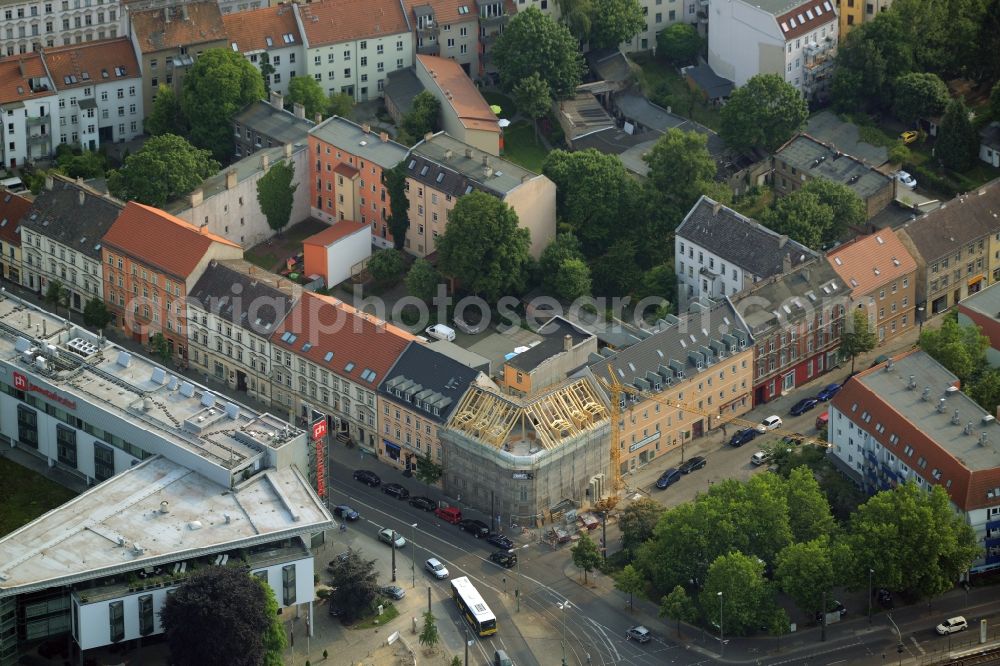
{"x": 118, "y": 525}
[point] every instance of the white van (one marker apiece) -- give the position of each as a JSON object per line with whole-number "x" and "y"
{"x": 441, "y": 332}
{"x": 13, "y": 184}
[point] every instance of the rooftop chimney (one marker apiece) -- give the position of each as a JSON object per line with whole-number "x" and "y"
{"x": 567, "y": 342}
{"x": 299, "y": 110}
{"x": 488, "y": 171}
{"x": 288, "y": 150}
{"x": 383, "y": 137}
{"x": 49, "y": 182}
{"x": 448, "y": 154}
{"x": 786, "y": 263}
{"x": 265, "y": 162}
{"x": 166, "y": 14}
{"x": 486, "y": 160}
{"x": 81, "y": 196}
{"x": 318, "y": 118}
{"x": 716, "y": 207}
{"x": 366, "y": 128}
{"x": 196, "y": 197}
{"x": 782, "y": 240}
{"x": 468, "y": 153}
{"x": 428, "y": 136}
{"x": 277, "y": 101}
{"x": 231, "y": 179}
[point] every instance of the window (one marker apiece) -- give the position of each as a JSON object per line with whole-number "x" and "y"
{"x": 288, "y": 584}
{"x": 116, "y": 620}
{"x": 27, "y": 426}
{"x": 66, "y": 445}
{"x": 104, "y": 462}
{"x": 145, "y": 614}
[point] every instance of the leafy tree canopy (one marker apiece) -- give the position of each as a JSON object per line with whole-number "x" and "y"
{"x": 957, "y": 140}
{"x": 919, "y": 95}
{"x": 399, "y": 204}
{"x": 764, "y": 113}
{"x": 166, "y": 167}
{"x": 678, "y": 606}
{"x": 95, "y": 313}
{"x": 424, "y": 116}
{"x": 961, "y": 349}
{"x": 533, "y": 42}
{"x": 166, "y": 116}
{"x": 615, "y": 21}
{"x": 276, "y": 194}
{"x": 307, "y": 91}
{"x": 808, "y": 510}
{"x": 572, "y": 279}
{"x": 637, "y": 522}
{"x": 745, "y": 596}
{"x": 805, "y": 573}
{"x": 630, "y": 582}
{"x": 534, "y": 98}
{"x": 387, "y": 266}
{"x": 355, "y": 584}
{"x": 422, "y": 280}
{"x": 679, "y": 43}
{"x": 340, "y": 104}
{"x": 586, "y": 555}
{"x": 858, "y": 337}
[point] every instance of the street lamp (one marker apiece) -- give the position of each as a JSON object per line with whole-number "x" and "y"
{"x": 899, "y": 636}
{"x": 920, "y": 320}
{"x": 722, "y": 639}
{"x": 413, "y": 556}
{"x": 517, "y": 565}
{"x": 870, "y": 572}
{"x": 562, "y": 607}
{"x": 392, "y": 540}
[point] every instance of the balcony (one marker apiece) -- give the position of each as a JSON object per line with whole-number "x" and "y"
{"x": 494, "y": 20}
{"x": 35, "y": 121}
{"x": 489, "y": 40}
{"x": 429, "y": 30}
{"x": 39, "y": 139}
{"x": 433, "y": 48}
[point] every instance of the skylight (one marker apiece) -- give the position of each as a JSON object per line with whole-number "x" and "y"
{"x": 306, "y": 346}
{"x": 268, "y": 41}
{"x": 349, "y": 367}
{"x": 328, "y": 357}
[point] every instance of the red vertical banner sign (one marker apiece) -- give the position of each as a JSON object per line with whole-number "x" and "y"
{"x": 319, "y": 439}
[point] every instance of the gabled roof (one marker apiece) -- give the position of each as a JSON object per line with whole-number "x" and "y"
{"x": 279, "y": 124}
{"x": 868, "y": 262}
{"x": 448, "y": 165}
{"x": 444, "y": 11}
{"x": 819, "y": 160}
{"x": 181, "y": 25}
{"x": 460, "y": 93}
{"x": 989, "y": 136}
{"x": 335, "y": 336}
{"x": 12, "y": 208}
{"x": 740, "y": 241}
{"x": 255, "y": 304}
{"x": 92, "y": 63}
{"x": 59, "y": 214}
{"x": 790, "y": 297}
{"x": 16, "y": 76}
{"x": 803, "y": 17}
{"x": 352, "y": 138}
{"x": 955, "y": 223}
{"x": 427, "y": 381}
{"x": 335, "y": 21}
{"x": 157, "y": 238}
{"x": 553, "y": 333}
{"x": 262, "y": 29}
{"x": 336, "y": 231}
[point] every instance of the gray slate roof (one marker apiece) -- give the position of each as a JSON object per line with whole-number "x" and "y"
{"x": 965, "y": 218}
{"x": 639, "y": 109}
{"x": 430, "y": 379}
{"x": 711, "y": 83}
{"x": 281, "y": 125}
{"x": 845, "y": 137}
{"x": 402, "y": 85}
{"x": 740, "y": 241}
{"x": 790, "y": 297}
{"x": 59, "y": 214}
{"x": 351, "y": 138}
{"x": 989, "y": 136}
{"x": 820, "y": 161}
{"x": 553, "y": 333}
{"x": 241, "y": 299}
{"x": 454, "y": 167}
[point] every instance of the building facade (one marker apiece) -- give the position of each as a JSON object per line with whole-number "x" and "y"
{"x": 266, "y": 124}
{"x": 28, "y": 108}
{"x": 13, "y": 208}
{"x": 853, "y": 13}
{"x": 268, "y": 36}
{"x": 30, "y": 26}
{"x": 465, "y": 114}
{"x": 446, "y": 29}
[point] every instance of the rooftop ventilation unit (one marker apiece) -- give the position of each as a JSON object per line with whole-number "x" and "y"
{"x": 988, "y": 419}
{"x": 164, "y": 506}
{"x": 983, "y": 439}
{"x": 233, "y": 411}
{"x": 911, "y": 383}
{"x": 967, "y": 430}
{"x": 207, "y": 399}
{"x": 22, "y": 345}
{"x": 950, "y": 391}
{"x": 187, "y": 389}
{"x": 159, "y": 375}
{"x": 926, "y": 395}
{"x": 955, "y": 420}
{"x": 940, "y": 406}
{"x": 82, "y": 347}
{"x": 172, "y": 383}
{"x": 124, "y": 359}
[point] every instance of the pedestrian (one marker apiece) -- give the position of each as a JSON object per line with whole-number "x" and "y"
{"x": 724, "y": 430}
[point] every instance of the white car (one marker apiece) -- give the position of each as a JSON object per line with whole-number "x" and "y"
{"x": 770, "y": 423}
{"x": 906, "y": 180}
{"x": 391, "y": 537}
{"x": 951, "y": 625}
{"x": 436, "y": 569}
{"x": 760, "y": 457}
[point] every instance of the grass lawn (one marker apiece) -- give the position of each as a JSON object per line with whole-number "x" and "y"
{"x": 507, "y": 107}
{"x": 389, "y": 613}
{"x": 521, "y": 148}
{"x": 664, "y": 86}
{"x": 266, "y": 260}
{"x": 25, "y": 495}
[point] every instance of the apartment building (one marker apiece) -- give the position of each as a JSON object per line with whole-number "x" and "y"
{"x": 168, "y": 39}
{"x": 882, "y": 277}
{"x": 330, "y": 358}
{"x": 562, "y": 349}
{"x": 691, "y": 376}
{"x": 660, "y": 15}
{"x": 796, "y": 40}
{"x": 27, "y": 108}
{"x": 151, "y": 262}
{"x": 855, "y": 12}
{"x": 100, "y": 92}
{"x": 956, "y": 247}
{"x": 982, "y": 309}
{"x": 465, "y": 115}
{"x": 905, "y": 420}
{"x": 269, "y": 35}
{"x": 31, "y": 25}
{"x": 796, "y": 321}
{"x": 441, "y": 169}
{"x": 351, "y": 45}
{"x": 266, "y": 124}
{"x": 347, "y": 162}
{"x": 61, "y": 239}
{"x": 494, "y": 15}
{"x": 232, "y": 310}
{"x": 447, "y": 29}
{"x": 13, "y": 208}
{"x": 719, "y": 252}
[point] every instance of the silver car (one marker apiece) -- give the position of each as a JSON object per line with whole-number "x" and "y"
{"x": 391, "y": 537}
{"x": 436, "y": 569}
{"x": 639, "y": 634}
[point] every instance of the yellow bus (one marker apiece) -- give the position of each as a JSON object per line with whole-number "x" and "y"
{"x": 474, "y": 609}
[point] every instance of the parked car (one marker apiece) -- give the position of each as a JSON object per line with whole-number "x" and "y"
{"x": 951, "y": 625}
{"x": 395, "y": 490}
{"x": 500, "y": 541}
{"x": 394, "y": 592}
{"x": 692, "y": 464}
{"x": 828, "y": 392}
{"x": 500, "y": 658}
{"x": 879, "y": 360}
{"x": 772, "y": 422}
{"x": 335, "y": 610}
{"x": 476, "y": 528}
{"x": 504, "y": 559}
{"x": 760, "y": 457}
{"x": 743, "y": 436}
{"x": 367, "y": 477}
{"x": 884, "y": 598}
{"x": 803, "y": 406}
{"x": 906, "y": 180}
{"x": 822, "y": 421}
{"x": 909, "y": 136}
{"x": 449, "y": 514}
{"x": 794, "y": 439}
{"x": 441, "y": 332}
{"x": 438, "y": 570}
{"x": 345, "y": 512}
{"x": 470, "y": 321}
{"x": 668, "y": 478}
{"x": 834, "y": 607}
{"x": 639, "y": 634}
{"x": 424, "y": 503}
{"x": 391, "y": 537}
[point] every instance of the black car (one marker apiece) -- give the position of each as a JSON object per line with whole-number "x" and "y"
{"x": 345, "y": 512}
{"x": 504, "y": 559}
{"x": 692, "y": 464}
{"x": 803, "y": 406}
{"x": 367, "y": 477}
{"x": 421, "y": 502}
{"x": 395, "y": 490}
{"x": 500, "y": 541}
{"x": 668, "y": 478}
{"x": 476, "y": 528}
{"x": 835, "y": 607}
{"x": 884, "y": 598}
{"x": 743, "y": 436}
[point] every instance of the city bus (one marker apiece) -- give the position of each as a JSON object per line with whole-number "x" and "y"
{"x": 474, "y": 609}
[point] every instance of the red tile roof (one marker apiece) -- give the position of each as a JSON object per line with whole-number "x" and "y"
{"x": 334, "y": 233}
{"x": 446, "y": 11}
{"x": 249, "y": 31}
{"x": 869, "y": 262}
{"x": 12, "y": 209}
{"x": 154, "y": 32}
{"x": 158, "y": 239}
{"x": 91, "y": 63}
{"x": 806, "y": 17}
{"x": 318, "y": 325}
{"x": 345, "y": 169}
{"x": 461, "y": 93}
{"x": 15, "y": 72}
{"x": 334, "y": 21}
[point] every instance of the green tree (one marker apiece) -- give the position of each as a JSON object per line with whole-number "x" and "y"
{"x": 995, "y": 99}
{"x": 679, "y": 607}
{"x": 424, "y": 116}
{"x": 586, "y": 555}
{"x": 306, "y": 90}
{"x": 387, "y": 266}
{"x": 629, "y": 581}
{"x": 77, "y": 164}
{"x": 565, "y": 246}
{"x": 429, "y": 636}
{"x": 961, "y": 349}
{"x": 913, "y": 539}
{"x": 428, "y": 471}
{"x": 805, "y": 573}
{"x": 660, "y": 281}
{"x": 95, "y": 313}
{"x": 919, "y": 95}
{"x": 615, "y": 21}
{"x": 266, "y": 71}
{"x": 957, "y": 140}
{"x": 986, "y": 390}
{"x": 617, "y": 273}
{"x": 422, "y": 280}
{"x": 848, "y": 208}
{"x": 745, "y": 596}
{"x": 394, "y": 180}
{"x": 802, "y": 217}
{"x": 57, "y": 295}
{"x": 637, "y": 523}
{"x": 483, "y": 247}
{"x": 680, "y": 43}
{"x": 222, "y": 616}
{"x": 340, "y": 104}
{"x": 166, "y": 116}
{"x": 355, "y": 585}
{"x": 778, "y": 624}
{"x": 857, "y": 337}
{"x": 808, "y": 510}
{"x": 159, "y": 347}
{"x": 572, "y": 279}
{"x": 860, "y": 78}
{"x": 577, "y": 16}
{"x": 534, "y": 98}
{"x": 900, "y": 154}
{"x": 218, "y": 85}
{"x": 764, "y": 113}
{"x": 987, "y": 59}
{"x": 166, "y": 167}
{"x": 276, "y": 194}
{"x": 533, "y": 42}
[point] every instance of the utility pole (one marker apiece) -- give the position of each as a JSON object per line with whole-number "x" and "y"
{"x": 413, "y": 556}
{"x": 722, "y": 636}
{"x": 467, "y": 641}
{"x": 870, "y": 572}
{"x": 604, "y": 534}
{"x": 392, "y": 538}
{"x": 822, "y": 635}
{"x": 428, "y": 598}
